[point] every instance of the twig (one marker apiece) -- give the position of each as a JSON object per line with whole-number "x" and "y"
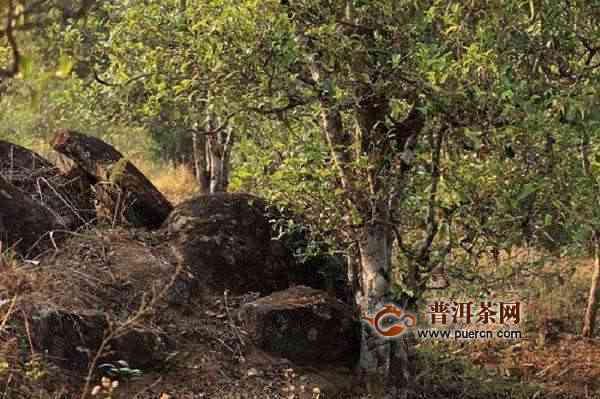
{"x": 64, "y": 200}
{"x": 98, "y": 79}
{"x": 9, "y": 312}
{"x": 10, "y": 378}
{"x": 28, "y": 334}
{"x": 233, "y": 326}
{"x": 107, "y": 337}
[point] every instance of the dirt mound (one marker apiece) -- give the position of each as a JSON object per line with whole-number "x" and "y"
{"x": 162, "y": 301}
{"x": 108, "y": 295}
{"x": 99, "y": 292}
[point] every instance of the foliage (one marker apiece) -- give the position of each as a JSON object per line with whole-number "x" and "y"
{"x": 443, "y": 375}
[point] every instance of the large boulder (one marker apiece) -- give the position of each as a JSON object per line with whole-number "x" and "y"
{"x": 72, "y": 340}
{"x": 23, "y": 222}
{"x": 67, "y": 194}
{"x": 304, "y": 325}
{"x": 228, "y": 241}
{"x": 123, "y": 193}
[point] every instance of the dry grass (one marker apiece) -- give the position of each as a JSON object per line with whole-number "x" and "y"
{"x": 176, "y": 183}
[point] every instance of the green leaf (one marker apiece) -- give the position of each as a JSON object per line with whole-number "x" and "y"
{"x": 65, "y": 66}
{"x": 25, "y": 66}
{"x": 527, "y": 190}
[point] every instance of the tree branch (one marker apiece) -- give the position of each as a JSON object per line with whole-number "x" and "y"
{"x": 10, "y": 37}
{"x": 432, "y": 223}
{"x": 98, "y": 79}
{"x": 293, "y": 102}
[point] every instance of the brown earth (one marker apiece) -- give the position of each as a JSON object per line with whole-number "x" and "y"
{"x": 123, "y": 275}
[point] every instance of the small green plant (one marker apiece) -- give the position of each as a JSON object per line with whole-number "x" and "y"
{"x": 120, "y": 370}
{"x": 117, "y": 171}
{"x": 35, "y": 369}
{"x": 4, "y": 367}
{"x": 443, "y": 374}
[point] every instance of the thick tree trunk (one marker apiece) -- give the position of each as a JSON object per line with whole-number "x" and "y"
{"x": 591, "y": 312}
{"x": 24, "y": 223}
{"x": 124, "y": 193}
{"x": 386, "y": 363}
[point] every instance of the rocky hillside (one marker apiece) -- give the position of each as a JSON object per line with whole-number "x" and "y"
{"x": 211, "y": 302}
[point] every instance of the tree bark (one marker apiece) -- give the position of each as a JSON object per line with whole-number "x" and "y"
{"x": 589, "y": 322}
{"x": 124, "y": 193}
{"x": 227, "y": 148}
{"x": 212, "y": 161}
{"x": 200, "y": 163}
{"x": 24, "y": 222}
{"x": 218, "y": 142}
{"x": 386, "y": 364}
{"x": 216, "y": 164}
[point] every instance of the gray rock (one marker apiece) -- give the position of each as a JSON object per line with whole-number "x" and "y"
{"x": 71, "y": 340}
{"x": 304, "y": 325}
{"x": 227, "y": 241}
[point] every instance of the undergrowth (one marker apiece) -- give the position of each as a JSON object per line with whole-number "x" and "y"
{"x": 442, "y": 375}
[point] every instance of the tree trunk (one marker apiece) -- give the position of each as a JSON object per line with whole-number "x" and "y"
{"x": 387, "y": 364}
{"x": 216, "y": 164}
{"x": 212, "y": 161}
{"x": 227, "y": 148}
{"x": 23, "y": 222}
{"x": 200, "y": 162}
{"x": 218, "y": 140}
{"x": 220, "y": 158}
{"x": 124, "y": 193}
{"x": 589, "y": 321}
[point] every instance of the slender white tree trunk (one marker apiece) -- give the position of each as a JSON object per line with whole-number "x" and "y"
{"x": 216, "y": 164}
{"x": 212, "y": 154}
{"x": 200, "y": 162}
{"x": 589, "y": 321}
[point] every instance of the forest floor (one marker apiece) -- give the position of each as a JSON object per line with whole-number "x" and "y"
{"x": 215, "y": 360}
